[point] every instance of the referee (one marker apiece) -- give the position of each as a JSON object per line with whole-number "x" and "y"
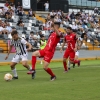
{"x": 21, "y": 52}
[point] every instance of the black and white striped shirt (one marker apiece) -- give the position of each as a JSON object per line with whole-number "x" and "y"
{"x": 20, "y": 46}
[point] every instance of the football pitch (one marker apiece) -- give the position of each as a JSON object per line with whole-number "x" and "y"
{"x": 80, "y": 83}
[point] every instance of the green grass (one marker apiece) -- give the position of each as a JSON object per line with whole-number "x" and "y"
{"x": 80, "y": 83}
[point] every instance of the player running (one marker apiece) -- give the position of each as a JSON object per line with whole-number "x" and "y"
{"x": 80, "y": 42}
{"x": 48, "y": 52}
{"x": 21, "y": 52}
{"x": 71, "y": 40}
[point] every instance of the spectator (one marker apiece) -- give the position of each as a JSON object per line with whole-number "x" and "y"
{"x": 72, "y": 16}
{"x": 96, "y": 10}
{"x": 52, "y": 14}
{"x": 20, "y": 11}
{"x": 7, "y": 3}
{"x": 8, "y": 14}
{"x": 32, "y": 39}
{"x": 40, "y": 34}
{"x": 37, "y": 36}
{"x": 18, "y": 5}
{"x": 47, "y": 25}
{"x": 46, "y": 6}
{"x": 48, "y": 17}
{"x": 1, "y": 28}
{"x": 65, "y": 22}
{"x": 1, "y": 11}
{"x": 8, "y": 28}
{"x": 20, "y": 23}
{"x": 30, "y": 13}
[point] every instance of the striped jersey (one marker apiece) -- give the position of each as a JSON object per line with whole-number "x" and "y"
{"x": 20, "y": 46}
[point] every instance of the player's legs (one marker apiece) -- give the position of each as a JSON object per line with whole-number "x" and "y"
{"x": 65, "y": 57}
{"x": 47, "y": 58}
{"x": 72, "y": 58}
{"x": 24, "y": 61}
{"x": 15, "y": 60}
{"x": 25, "y": 64}
{"x": 76, "y": 58}
{"x": 48, "y": 70}
{"x": 65, "y": 64}
{"x": 34, "y": 55}
{"x": 41, "y": 62}
{"x": 77, "y": 55}
{"x": 68, "y": 64}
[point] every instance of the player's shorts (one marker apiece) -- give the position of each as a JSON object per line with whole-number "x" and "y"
{"x": 77, "y": 53}
{"x": 18, "y": 58}
{"x": 69, "y": 54}
{"x": 47, "y": 55}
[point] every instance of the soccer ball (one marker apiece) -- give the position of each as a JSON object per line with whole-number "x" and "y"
{"x": 8, "y": 77}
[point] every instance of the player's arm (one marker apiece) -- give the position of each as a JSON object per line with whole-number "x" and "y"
{"x": 57, "y": 31}
{"x": 9, "y": 50}
{"x": 29, "y": 46}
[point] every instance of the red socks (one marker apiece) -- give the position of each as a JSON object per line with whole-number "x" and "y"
{"x": 33, "y": 62}
{"x": 76, "y": 61}
{"x": 65, "y": 66}
{"x": 49, "y": 71}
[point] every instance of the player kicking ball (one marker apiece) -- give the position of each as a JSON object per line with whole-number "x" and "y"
{"x": 48, "y": 52}
{"x": 71, "y": 40}
{"x": 21, "y": 52}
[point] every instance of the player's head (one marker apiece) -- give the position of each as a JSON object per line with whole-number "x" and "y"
{"x": 57, "y": 25}
{"x": 14, "y": 35}
{"x": 69, "y": 30}
{"x": 84, "y": 36}
{"x": 42, "y": 37}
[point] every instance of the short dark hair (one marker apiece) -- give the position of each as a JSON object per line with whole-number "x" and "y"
{"x": 14, "y": 32}
{"x": 82, "y": 36}
{"x": 69, "y": 28}
{"x": 31, "y": 32}
{"x": 57, "y": 23}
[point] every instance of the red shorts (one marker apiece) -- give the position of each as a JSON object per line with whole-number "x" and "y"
{"x": 70, "y": 54}
{"x": 47, "y": 55}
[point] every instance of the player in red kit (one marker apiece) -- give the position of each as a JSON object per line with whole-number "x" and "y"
{"x": 71, "y": 40}
{"x": 48, "y": 52}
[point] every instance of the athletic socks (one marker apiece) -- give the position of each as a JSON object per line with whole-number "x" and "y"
{"x": 14, "y": 72}
{"x": 76, "y": 61}
{"x": 33, "y": 62}
{"x": 65, "y": 66}
{"x": 49, "y": 71}
{"x": 68, "y": 64}
{"x": 41, "y": 62}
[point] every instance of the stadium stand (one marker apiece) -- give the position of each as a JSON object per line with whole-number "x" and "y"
{"x": 16, "y": 18}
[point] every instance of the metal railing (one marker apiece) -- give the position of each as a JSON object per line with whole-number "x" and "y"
{"x": 88, "y": 4}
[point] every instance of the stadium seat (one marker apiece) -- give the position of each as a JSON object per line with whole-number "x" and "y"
{"x": 29, "y": 28}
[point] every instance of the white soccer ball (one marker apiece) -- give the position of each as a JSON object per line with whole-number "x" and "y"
{"x": 8, "y": 77}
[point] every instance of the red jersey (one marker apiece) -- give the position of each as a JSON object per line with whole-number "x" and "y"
{"x": 52, "y": 42}
{"x": 71, "y": 41}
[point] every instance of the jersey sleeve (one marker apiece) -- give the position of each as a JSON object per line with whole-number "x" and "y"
{"x": 23, "y": 41}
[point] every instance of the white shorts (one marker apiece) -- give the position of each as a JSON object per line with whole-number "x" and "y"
{"x": 18, "y": 58}
{"x": 77, "y": 53}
